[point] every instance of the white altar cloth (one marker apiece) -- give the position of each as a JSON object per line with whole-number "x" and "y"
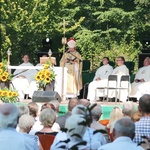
{"x": 60, "y": 83}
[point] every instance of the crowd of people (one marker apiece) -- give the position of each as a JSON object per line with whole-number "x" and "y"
{"x": 78, "y": 129}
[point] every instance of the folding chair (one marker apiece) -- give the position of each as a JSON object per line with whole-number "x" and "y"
{"x": 124, "y": 78}
{"x": 116, "y": 87}
{"x": 112, "y": 78}
{"x": 100, "y": 88}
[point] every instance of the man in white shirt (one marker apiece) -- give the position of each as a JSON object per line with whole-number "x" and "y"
{"x": 141, "y": 84}
{"x": 119, "y": 71}
{"x": 123, "y": 134}
{"x": 100, "y": 80}
{"x": 23, "y": 77}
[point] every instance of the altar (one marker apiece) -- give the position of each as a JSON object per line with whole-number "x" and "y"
{"x": 61, "y": 78}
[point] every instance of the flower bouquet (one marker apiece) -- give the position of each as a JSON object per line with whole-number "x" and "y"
{"x": 5, "y": 77}
{"x": 45, "y": 76}
{"x": 8, "y": 96}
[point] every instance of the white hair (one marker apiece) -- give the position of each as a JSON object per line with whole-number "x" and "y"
{"x": 26, "y": 122}
{"x": 76, "y": 126}
{"x": 125, "y": 127}
{"x": 8, "y": 115}
{"x": 128, "y": 108}
{"x": 47, "y": 117}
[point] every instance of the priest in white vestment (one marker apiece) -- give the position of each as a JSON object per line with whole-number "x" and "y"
{"x": 23, "y": 77}
{"x": 100, "y": 80}
{"x": 119, "y": 71}
{"x": 141, "y": 84}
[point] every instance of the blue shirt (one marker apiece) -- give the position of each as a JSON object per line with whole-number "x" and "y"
{"x": 121, "y": 143}
{"x": 10, "y": 139}
{"x": 142, "y": 128}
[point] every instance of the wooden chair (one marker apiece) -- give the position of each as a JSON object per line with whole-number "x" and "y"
{"x": 46, "y": 140}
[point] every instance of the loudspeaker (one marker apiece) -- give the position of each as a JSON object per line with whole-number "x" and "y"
{"x": 45, "y": 96}
{"x": 141, "y": 58}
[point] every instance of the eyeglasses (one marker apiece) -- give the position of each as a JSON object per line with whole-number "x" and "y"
{"x": 119, "y": 60}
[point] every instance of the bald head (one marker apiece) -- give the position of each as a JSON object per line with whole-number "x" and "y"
{"x": 124, "y": 127}
{"x": 8, "y": 115}
{"x": 72, "y": 103}
{"x": 84, "y": 102}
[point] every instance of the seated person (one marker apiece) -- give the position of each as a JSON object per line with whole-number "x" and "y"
{"x": 93, "y": 139}
{"x": 75, "y": 131}
{"x": 123, "y": 134}
{"x": 96, "y": 113}
{"x": 61, "y": 120}
{"x": 142, "y": 77}
{"x": 47, "y": 118}
{"x": 23, "y": 77}
{"x": 119, "y": 71}
{"x": 100, "y": 79}
{"x": 10, "y": 139}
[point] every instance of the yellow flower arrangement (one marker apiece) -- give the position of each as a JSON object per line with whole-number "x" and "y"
{"x": 8, "y": 96}
{"x": 4, "y": 75}
{"x": 45, "y": 76}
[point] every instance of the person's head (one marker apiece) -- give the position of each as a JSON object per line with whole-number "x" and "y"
{"x": 146, "y": 61}
{"x": 136, "y": 115}
{"x": 71, "y": 44}
{"x": 56, "y": 105}
{"x": 128, "y": 108}
{"x": 120, "y": 61}
{"x": 75, "y": 127}
{"x": 25, "y": 58}
{"x": 115, "y": 114}
{"x": 83, "y": 110}
{"x": 72, "y": 103}
{"x": 96, "y": 112}
{"x": 48, "y": 105}
{"x": 47, "y": 117}
{"x": 144, "y": 105}
{"x": 25, "y": 123}
{"x": 84, "y": 102}
{"x": 105, "y": 60}
{"x": 33, "y": 109}
{"x": 9, "y": 115}
{"x": 124, "y": 127}
{"x": 23, "y": 110}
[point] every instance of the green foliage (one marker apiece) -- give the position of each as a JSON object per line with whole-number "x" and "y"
{"x": 101, "y": 28}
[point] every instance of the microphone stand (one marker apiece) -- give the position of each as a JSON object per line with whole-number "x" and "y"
{"x": 78, "y": 69}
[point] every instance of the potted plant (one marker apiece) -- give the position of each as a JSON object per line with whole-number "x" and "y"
{"x": 46, "y": 78}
